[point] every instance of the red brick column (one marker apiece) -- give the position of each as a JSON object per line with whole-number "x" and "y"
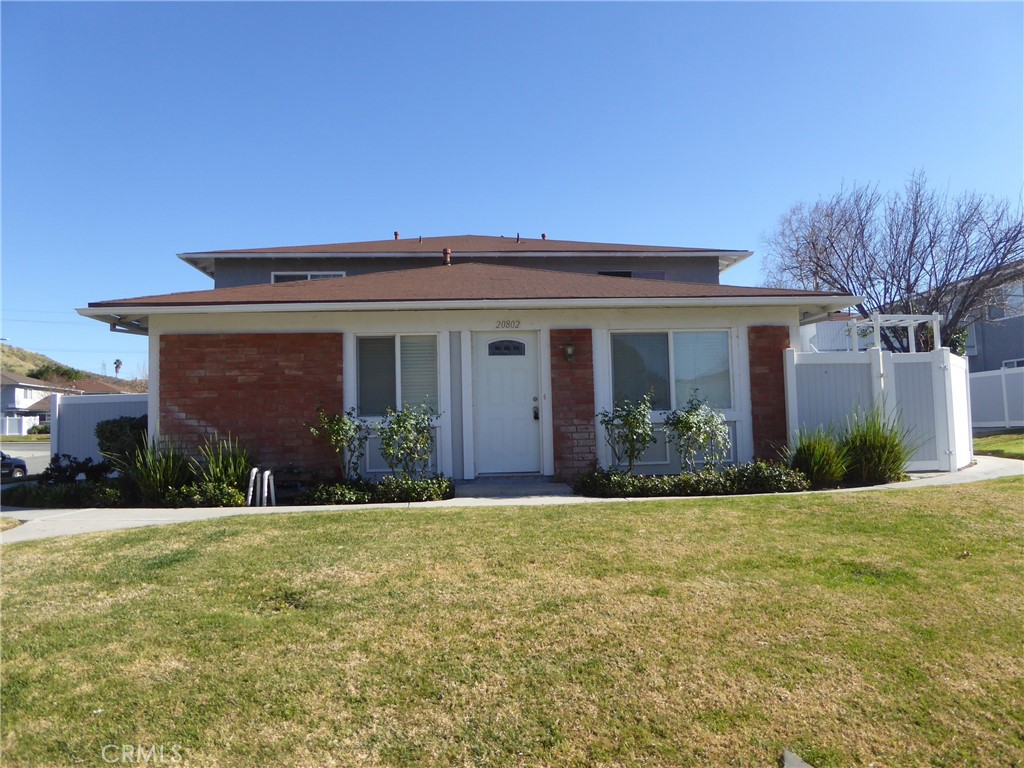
{"x": 572, "y": 404}
{"x": 768, "y": 388}
{"x": 262, "y": 388}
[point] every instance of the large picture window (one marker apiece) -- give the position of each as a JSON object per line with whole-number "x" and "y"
{"x": 396, "y": 371}
{"x": 697, "y": 360}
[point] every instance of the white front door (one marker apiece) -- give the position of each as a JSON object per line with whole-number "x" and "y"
{"x": 506, "y": 402}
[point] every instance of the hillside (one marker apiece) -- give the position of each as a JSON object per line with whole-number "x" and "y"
{"x": 18, "y": 361}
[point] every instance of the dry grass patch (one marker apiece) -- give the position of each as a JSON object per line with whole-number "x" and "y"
{"x": 866, "y": 628}
{"x": 6, "y": 523}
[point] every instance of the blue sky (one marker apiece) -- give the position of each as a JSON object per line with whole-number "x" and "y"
{"x": 135, "y": 131}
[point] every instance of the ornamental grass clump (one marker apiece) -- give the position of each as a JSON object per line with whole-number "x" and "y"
{"x": 878, "y": 448}
{"x": 821, "y": 455}
{"x": 223, "y": 462}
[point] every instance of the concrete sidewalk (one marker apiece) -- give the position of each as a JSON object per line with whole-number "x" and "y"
{"x": 51, "y": 523}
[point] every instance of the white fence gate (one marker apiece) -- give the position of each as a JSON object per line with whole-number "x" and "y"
{"x": 927, "y": 391}
{"x": 74, "y": 419}
{"x": 997, "y": 398}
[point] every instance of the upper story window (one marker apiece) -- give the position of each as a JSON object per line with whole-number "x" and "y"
{"x": 396, "y": 371}
{"x": 296, "y": 277}
{"x": 672, "y": 367}
{"x": 1011, "y": 302}
{"x": 640, "y": 274}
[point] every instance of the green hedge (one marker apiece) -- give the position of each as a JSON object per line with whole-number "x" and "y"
{"x": 759, "y": 477}
{"x": 387, "y": 490}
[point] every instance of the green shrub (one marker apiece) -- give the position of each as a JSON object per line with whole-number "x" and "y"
{"x": 39, "y": 429}
{"x": 205, "y": 494}
{"x": 65, "y": 468}
{"x": 347, "y": 434}
{"x": 336, "y": 493}
{"x": 387, "y": 490}
{"x": 628, "y": 430}
{"x": 698, "y": 429}
{"x": 392, "y": 488}
{"x": 765, "y": 477}
{"x": 821, "y": 455}
{"x": 878, "y": 448}
{"x": 121, "y": 436}
{"x": 222, "y": 461}
{"x": 407, "y": 440}
{"x": 63, "y": 496}
{"x": 759, "y": 477}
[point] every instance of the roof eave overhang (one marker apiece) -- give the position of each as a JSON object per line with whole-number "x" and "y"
{"x": 135, "y": 319}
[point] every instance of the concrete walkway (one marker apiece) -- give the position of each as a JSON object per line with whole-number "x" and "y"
{"x": 51, "y": 523}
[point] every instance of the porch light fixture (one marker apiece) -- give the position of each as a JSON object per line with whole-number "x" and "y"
{"x": 570, "y": 352}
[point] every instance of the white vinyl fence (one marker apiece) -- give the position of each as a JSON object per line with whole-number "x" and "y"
{"x": 997, "y": 398}
{"x": 927, "y": 391}
{"x": 18, "y": 425}
{"x": 74, "y": 418}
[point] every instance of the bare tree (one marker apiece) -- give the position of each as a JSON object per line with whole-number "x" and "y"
{"x": 913, "y": 252}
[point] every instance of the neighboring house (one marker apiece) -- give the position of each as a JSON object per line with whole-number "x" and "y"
{"x": 998, "y": 340}
{"x": 18, "y": 394}
{"x": 515, "y": 344}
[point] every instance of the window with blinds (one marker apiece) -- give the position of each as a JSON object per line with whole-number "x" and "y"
{"x": 395, "y": 372}
{"x": 699, "y": 362}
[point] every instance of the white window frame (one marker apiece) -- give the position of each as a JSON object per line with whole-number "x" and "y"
{"x": 734, "y": 415}
{"x": 398, "y": 369}
{"x": 305, "y": 275}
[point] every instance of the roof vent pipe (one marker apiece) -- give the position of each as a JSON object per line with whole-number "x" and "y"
{"x": 447, "y": 257}
{"x": 517, "y": 237}
{"x": 396, "y": 234}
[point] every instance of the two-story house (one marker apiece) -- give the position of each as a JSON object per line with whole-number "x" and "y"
{"x": 514, "y": 343}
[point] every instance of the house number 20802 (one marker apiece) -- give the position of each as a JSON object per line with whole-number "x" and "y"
{"x": 507, "y": 325}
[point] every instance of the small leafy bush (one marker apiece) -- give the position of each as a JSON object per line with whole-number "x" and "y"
{"x": 628, "y": 430}
{"x": 65, "y": 468}
{"x": 878, "y": 448}
{"x": 347, "y": 434}
{"x": 336, "y": 493}
{"x": 39, "y": 429}
{"x": 392, "y": 488}
{"x": 407, "y": 440}
{"x": 121, "y": 436}
{"x": 205, "y": 494}
{"x": 765, "y": 477}
{"x": 698, "y": 429}
{"x": 821, "y": 455}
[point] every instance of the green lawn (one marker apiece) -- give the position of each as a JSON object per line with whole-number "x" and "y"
{"x": 876, "y": 628}
{"x": 1009, "y": 444}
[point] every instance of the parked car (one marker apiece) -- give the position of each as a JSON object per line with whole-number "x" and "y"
{"x": 12, "y": 467}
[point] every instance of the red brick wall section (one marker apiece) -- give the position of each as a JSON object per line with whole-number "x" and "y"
{"x": 572, "y": 404}
{"x": 768, "y": 388}
{"x": 262, "y": 388}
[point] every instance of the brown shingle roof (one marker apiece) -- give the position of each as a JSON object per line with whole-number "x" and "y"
{"x": 459, "y": 282}
{"x": 468, "y": 244}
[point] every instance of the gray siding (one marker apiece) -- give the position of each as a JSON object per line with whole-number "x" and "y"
{"x": 235, "y": 272}
{"x": 997, "y": 340}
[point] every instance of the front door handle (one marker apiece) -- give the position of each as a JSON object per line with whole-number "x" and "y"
{"x": 536, "y": 413}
